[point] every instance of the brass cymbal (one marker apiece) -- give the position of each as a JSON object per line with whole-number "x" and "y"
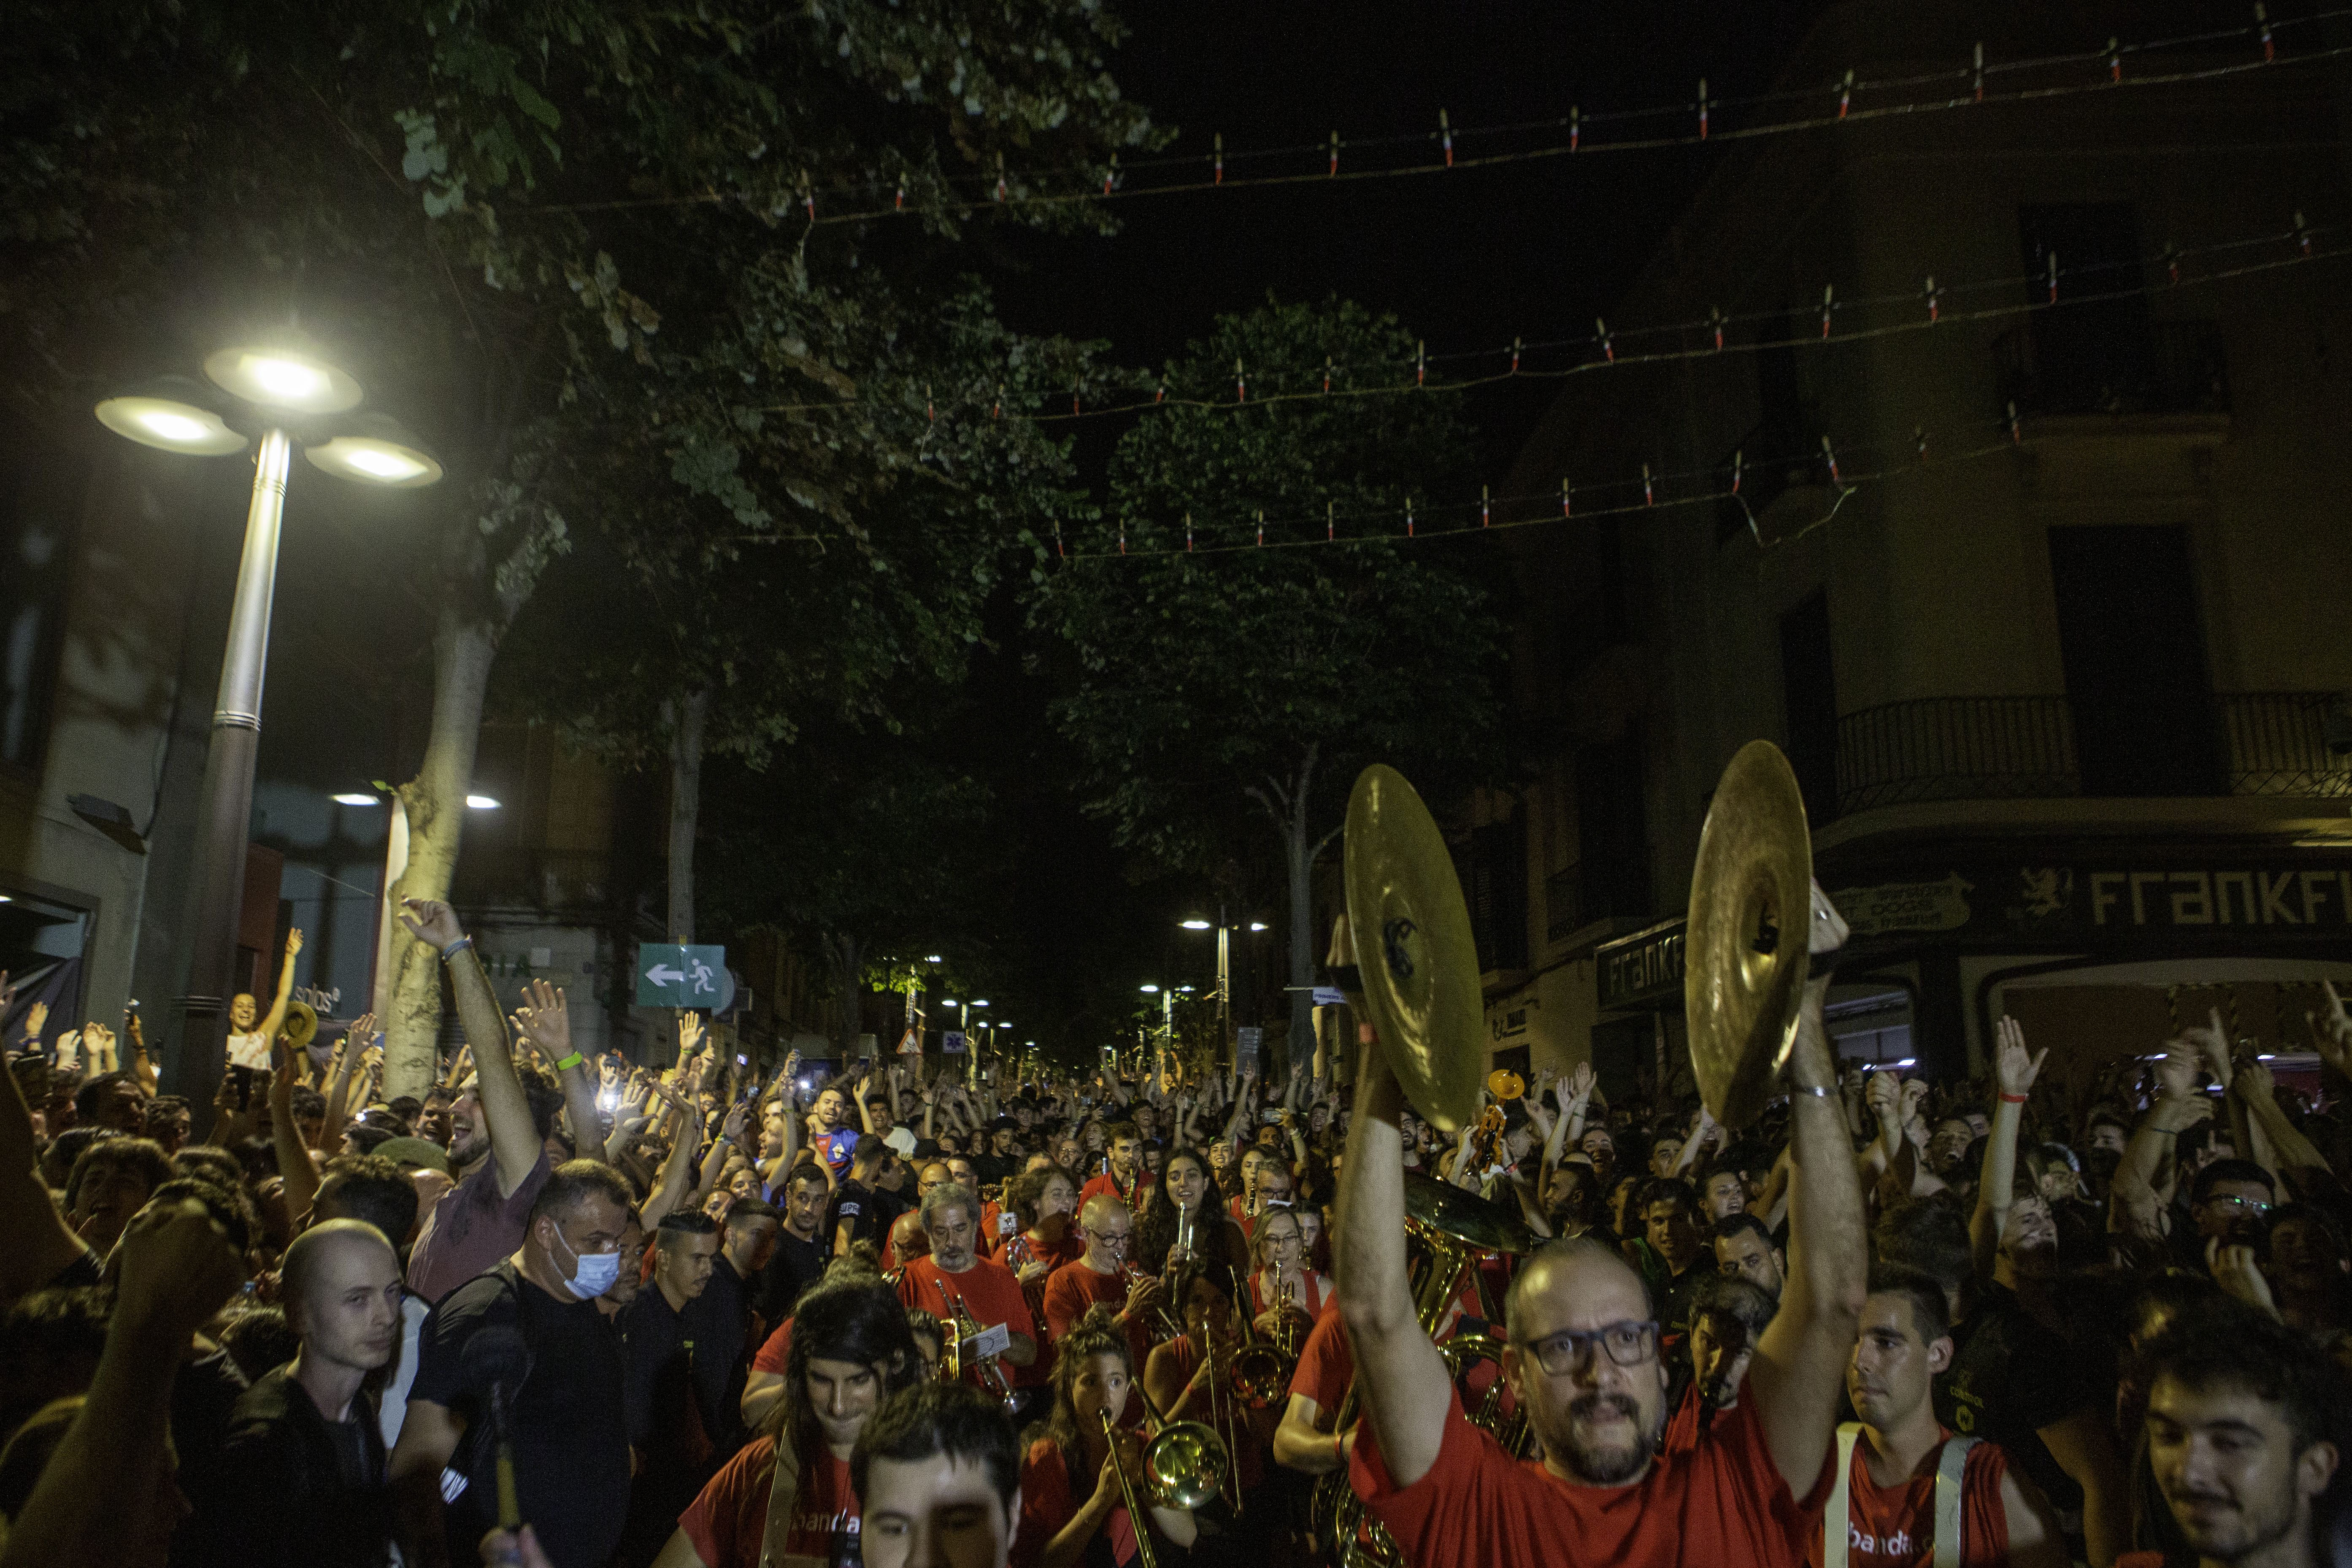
{"x": 1745, "y": 948}
{"x": 1414, "y": 951}
{"x": 301, "y": 1023}
{"x": 1464, "y": 1216}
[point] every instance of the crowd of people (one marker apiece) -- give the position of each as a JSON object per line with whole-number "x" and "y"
{"x": 686, "y": 1314}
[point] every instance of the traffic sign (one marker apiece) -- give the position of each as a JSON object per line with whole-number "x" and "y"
{"x": 1246, "y": 1044}
{"x": 952, "y": 1043}
{"x": 671, "y": 976}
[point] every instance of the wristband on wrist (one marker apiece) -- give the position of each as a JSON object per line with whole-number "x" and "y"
{"x": 450, "y": 952}
{"x": 2012, "y": 1100}
{"x": 568, "y": 1063}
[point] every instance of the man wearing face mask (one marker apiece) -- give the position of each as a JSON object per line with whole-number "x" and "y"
{"x": 568, "y": 1415}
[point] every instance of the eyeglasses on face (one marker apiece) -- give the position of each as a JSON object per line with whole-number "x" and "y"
{"x": 1628, "y": 1344}
{"x": 2237, "y": 1205}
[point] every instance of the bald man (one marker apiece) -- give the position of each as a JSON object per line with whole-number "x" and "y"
{"x": 301, "y": 1480}
{"x": 1099, "y": 1275}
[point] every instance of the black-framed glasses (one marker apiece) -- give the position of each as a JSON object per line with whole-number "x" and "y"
{"x": 1628, "y": 1344}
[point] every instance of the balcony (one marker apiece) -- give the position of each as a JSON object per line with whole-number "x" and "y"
{"x": 2051, "y": 366}
{"x": 2009, "y": 747}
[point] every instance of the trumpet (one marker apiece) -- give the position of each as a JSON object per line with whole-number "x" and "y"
{"x": 1261, "y": 1372}
{"x": 1164, "y": 1327}
{"x": 961, "y": 1328}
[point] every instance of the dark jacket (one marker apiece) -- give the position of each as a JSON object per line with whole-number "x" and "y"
{"x": 278, "y": 1494}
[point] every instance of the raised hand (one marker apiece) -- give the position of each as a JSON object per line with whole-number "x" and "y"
{"x": 1580, "y": 1081}
{"x": 69, "y": 1050}
{"x": 2014, "y": 1068}
{"x": 2213, "y": 1046}
{"x": 176, "y": 1267}
{"x": 690, "y": 1035}
{"x": 731, "y": 1130}
{"x": 544, "y": 1017}
{"x": 2176, "y": 1075}
{"x": 294, "y": 939}
{"x": 2233, "y": 1269}
{"x": 1884, "y": 1094}
{"x": 38, "y": 1013}
{"x": 427, "y": 920}
{"x": 1914, "y": 1094}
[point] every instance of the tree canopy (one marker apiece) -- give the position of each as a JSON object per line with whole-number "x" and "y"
{"x": 1207, "y": 687}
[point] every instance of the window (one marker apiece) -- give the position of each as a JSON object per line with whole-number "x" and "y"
{"x": 2130, "y": 637}
{"x": 1809, "y": 701}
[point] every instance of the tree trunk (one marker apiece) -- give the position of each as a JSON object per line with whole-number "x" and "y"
{"x": 463, "y": 647}
{"x": 848, "y": 954}
{"x": 1299, "y": 859}
{"x": 688, "y": 720}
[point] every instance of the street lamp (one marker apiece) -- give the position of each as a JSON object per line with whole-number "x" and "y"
{"x": 281, "y": 395}
{"x": 1224, "y": 966}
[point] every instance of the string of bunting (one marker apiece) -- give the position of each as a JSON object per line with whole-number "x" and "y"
{"x": 1932, "y": 306}
{"x": 1446, "y": 146}
{"x": 1657, "y": 491}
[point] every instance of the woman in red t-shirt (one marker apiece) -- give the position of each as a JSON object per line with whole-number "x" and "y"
{"x": 1178, "y": 1379}
{"x": 850, "y": 1349}
{"x": 1059, "y": 1528}
{"x": 1285, "y": 1295}
{"x": 1043, "y": 1202}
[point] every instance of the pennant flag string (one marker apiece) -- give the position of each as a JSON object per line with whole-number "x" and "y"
{"x": 2055, "y": 287}
{"x": 1448, "y": 147}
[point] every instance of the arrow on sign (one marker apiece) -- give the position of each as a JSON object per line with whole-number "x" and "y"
{"x": 662, "y": 975}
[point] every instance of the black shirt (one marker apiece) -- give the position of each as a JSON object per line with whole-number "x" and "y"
{"x": 860, "y": 1207}
{"x": 571, "y": 1433}
{"x": 796, "y": 1266}
{"x": 719, "y": 1322}
{"x": 292, "y": 1489}
{"x": 2010, "y": 1376}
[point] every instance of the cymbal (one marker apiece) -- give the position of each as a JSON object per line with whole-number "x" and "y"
{"x": 1464, "y": 1216}
{"x": 1414, "y": 952}
{"x": 1745, "y": 948}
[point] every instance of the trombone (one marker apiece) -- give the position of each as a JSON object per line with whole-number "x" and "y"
{"x": 1185, "y": 1465}
{"x": 1260, "y": 1372}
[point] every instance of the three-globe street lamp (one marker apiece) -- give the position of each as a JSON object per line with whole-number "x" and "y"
{"x": 279, "y": 395}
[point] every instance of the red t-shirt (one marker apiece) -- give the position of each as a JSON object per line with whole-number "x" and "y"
{"x": 1249, "y": 1464}
{"x": 1894, "y": 1527}
{"x": 990, "y": 1293}
{"x": 1327, "y": 1362}
{"x": 1106, "y": 1186}
{"x": 1074, "y": 1288}
{"x": 727, "y": 1522}
{"x": 1721, "y": 1503}
{"x": 776, "y": 1355}
{"x": 1046, "y": 1505}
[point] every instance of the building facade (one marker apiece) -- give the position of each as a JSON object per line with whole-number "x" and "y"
{"x": 2008, "y": 508}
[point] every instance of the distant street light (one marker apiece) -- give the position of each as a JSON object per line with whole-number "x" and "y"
{"x": 355, "y": 800}
{"x": 482, "y": 802}
{"x": 1224, "y": 966}
{"x": 282, "y": 394}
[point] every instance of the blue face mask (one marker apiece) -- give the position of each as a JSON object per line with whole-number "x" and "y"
{"x": 592, "y": 1273}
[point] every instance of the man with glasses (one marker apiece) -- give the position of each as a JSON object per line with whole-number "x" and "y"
{"x": 2230, "y": 1202}
{"x": 1099, "y": 1274}
{"x": 1584, "y": 1362}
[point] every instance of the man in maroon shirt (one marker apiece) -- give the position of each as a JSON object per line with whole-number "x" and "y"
{"x": 1582, "y": 1357}
{"x": 498, "y": 1127}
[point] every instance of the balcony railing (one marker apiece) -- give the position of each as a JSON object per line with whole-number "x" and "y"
{"x": 2004, "y": 748}
{"x": 2160, "y": 367}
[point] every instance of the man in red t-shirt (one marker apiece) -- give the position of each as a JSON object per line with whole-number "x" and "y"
{"x": 1584, "y": 1362}
{"x": 1898, "y": 1459}
{"x": 1126, "y": 1179}
{"x": 956, "y": 1274}
{"x": 1307, "y": 1440}
{"x": 1097, "y": 1275}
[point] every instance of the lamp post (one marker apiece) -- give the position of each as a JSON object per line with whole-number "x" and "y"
{"x": 1225, "y": 967}
{"x": 278, "y": 396}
